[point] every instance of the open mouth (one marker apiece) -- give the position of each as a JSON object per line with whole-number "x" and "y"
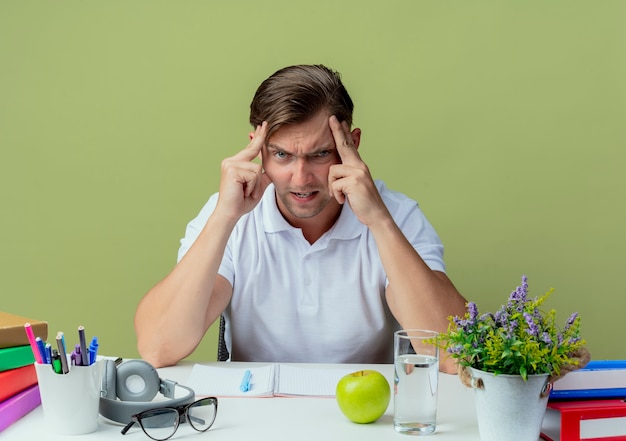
{"x": 304, "y": 195}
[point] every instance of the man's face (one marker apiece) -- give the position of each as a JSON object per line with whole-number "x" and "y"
{"x": 297, "y": 159}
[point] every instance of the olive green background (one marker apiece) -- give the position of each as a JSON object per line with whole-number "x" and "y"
{"x": 504, "y": 119}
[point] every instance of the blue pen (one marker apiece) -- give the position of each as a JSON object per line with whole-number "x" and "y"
{"x": 245, "y": 381}
{"x": 41, "y": 347}
{"x": 48, "y": 353}
{"x": 93, "y": 350}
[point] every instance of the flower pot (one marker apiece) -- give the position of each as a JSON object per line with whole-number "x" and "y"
{"x": 509, "y": 408}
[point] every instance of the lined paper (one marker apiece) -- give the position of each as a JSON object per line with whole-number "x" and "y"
{"x": 306, "y": 381}
{"x": 266, "y": 381}
{"x": 225, "y": 381}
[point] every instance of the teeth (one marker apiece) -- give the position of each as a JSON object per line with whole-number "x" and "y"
{"x": 303, "y": 195}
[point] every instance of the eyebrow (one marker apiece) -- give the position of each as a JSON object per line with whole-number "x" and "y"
{"x": 314, "y": 152}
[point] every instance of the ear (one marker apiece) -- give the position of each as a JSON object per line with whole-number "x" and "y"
{"x": 356, "y": 137}
{"x": 251, "y": 136}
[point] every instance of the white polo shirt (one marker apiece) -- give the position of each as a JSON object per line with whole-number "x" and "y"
{"x": 325, "y": 302}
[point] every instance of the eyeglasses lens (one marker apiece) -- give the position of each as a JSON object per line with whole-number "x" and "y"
{"x": 202, "y": 414}
{"x": 159, "y": 424}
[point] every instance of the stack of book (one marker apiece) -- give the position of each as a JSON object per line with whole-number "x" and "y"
{"x": 588, "y": 404}
{"x": 19, "y": 392}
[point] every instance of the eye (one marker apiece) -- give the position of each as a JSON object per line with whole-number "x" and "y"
{"x": 280, "y": 155}
{"x": 322, "y": 154}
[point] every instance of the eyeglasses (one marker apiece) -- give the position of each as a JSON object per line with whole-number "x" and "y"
{"x": 161, "y": 423}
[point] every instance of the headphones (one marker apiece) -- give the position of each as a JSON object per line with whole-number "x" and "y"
{"x": 135, "y": 383}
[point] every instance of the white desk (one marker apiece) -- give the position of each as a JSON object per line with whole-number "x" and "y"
{"x": 278, "y": 419}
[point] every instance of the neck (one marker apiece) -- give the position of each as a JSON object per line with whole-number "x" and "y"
{"x": 314, "y": 227}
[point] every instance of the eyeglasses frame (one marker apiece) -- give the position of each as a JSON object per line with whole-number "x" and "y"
{"x": 181, "y": 410}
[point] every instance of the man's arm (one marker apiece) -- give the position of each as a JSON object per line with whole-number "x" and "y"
{"x": 418, "y": 297}
{"x": 174, "y": 315}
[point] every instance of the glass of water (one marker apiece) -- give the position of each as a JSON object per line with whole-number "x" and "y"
{"x": 416, "y": 361}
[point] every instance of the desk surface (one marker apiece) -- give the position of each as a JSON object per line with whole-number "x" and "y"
{"x": 282, "y": 418}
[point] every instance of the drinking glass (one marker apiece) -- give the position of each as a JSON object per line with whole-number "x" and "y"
{"x": 416, "y": 377}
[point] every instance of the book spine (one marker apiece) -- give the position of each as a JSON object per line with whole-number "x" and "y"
{"x": 11, "y": 358}
{"x": 604, "y": 365}
{"x": 16, "y": 380}
{"x": 610, "y": 438}
{"x": 18, "y": 405}
{"x": 12, "y": 334}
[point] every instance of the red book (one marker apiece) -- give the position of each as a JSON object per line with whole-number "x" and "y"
{"x": 18, "y": 405}
{"x": 16, "y": 380}
{"x": 588, "y": 420}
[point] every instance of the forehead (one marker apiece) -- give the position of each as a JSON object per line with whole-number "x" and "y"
{"x": 312, "y": 134}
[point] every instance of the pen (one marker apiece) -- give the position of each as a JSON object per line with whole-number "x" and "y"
{"x": 76, "y": 357}
{"x": 62, "y": 354}
{"x": 48, "y": 353}
{"x": 93, "y": 350}
{"x": 41, "y": 347}
{"x": 56, "y": 362}
{"x": 33, "y": 344}
{"x": 245, "y": 381}
{"x": 83, "y": 346}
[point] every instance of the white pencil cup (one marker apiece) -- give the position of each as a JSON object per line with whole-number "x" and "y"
{"x": 70, "y": 401}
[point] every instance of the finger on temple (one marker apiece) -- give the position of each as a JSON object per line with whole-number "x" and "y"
{"x": 343, "y": 140}
{"x": 253, "y": 149}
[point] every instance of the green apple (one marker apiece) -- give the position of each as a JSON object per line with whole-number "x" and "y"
{"x": 363, "y": 396}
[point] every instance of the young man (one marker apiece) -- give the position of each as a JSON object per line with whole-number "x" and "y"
{"x": 308, "y": 257}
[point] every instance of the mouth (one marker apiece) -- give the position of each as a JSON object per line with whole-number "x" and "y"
{"x": 304, "y": 195}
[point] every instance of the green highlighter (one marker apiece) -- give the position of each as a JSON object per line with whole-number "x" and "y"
{"x": 56, "y": 362}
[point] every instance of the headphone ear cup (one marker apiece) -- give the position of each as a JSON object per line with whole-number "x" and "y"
{"x": 137, "y": 380}
{"x": 108, "y": 380}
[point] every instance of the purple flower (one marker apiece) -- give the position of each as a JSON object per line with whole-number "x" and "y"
{"x": 559, "y": 339}
{"x": 525, "y": 283}
{"x": 473, "y": 313}
{"x": 533, "y": 329}
{"x": 517, "y": 299}
{"x": 509, "y": 329}
{"x": 455, "y": 349}
{"x": 460, "y": 323}
{"x": 570, "y": 321}
{"x": 545, "y": 337}
{"x": 501, "y": 317}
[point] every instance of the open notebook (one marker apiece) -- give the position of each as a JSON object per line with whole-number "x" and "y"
{"x": 266, "y": 381}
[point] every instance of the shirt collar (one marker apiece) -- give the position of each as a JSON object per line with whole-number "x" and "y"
{"x": 346, "y": 227}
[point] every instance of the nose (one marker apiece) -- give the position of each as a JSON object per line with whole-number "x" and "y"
{"x": 301, "y": 173}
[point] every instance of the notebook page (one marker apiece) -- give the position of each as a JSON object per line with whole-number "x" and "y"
{"x": 308, "y": 381}
{"x": 225, "y": 381}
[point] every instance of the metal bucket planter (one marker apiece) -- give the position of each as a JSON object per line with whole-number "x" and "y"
{"x": 509, "y": 408}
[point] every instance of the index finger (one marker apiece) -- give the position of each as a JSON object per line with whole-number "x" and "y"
{"x": 253, "y": 149}
{"x": 343, "y": 141}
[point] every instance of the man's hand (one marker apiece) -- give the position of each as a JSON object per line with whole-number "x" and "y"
{"x": 352, "y": 180}
{"x": 243, "y": 182}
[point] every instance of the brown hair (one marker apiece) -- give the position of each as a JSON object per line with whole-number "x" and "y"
{"x": 295, "y": 94}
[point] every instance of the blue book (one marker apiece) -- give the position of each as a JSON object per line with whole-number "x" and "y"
{"x": 600, "y": 379}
